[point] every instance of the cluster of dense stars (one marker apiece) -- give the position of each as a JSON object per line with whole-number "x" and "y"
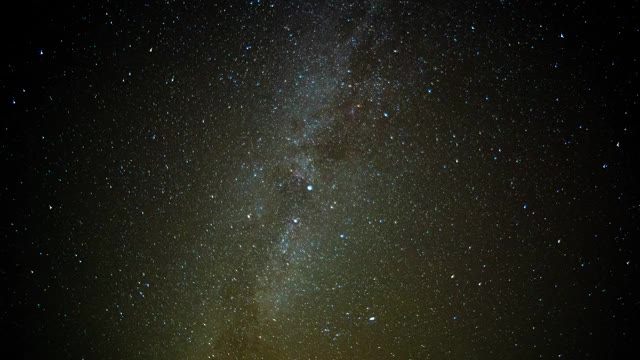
{"x": 270, "y": 179}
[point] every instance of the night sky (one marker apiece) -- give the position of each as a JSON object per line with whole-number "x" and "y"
{"x": 319, "y": 179}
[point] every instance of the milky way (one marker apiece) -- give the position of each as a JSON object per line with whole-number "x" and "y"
{"x": 319, "y": 180}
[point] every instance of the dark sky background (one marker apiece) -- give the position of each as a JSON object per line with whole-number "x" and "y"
{"x": 319, "y": 179}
